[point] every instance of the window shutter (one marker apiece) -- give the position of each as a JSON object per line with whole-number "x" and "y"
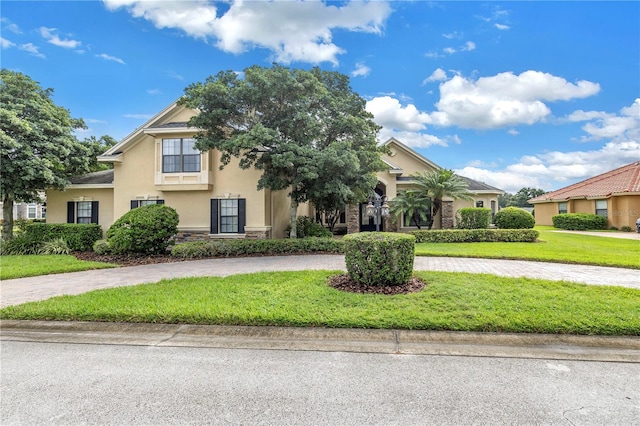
{"x": 94, "y": 212}
{"x": 134, "y": 204}
{"x": 71, "y": 212}
{"x": 214, "y": 215}
{"x": 242, "y": 215}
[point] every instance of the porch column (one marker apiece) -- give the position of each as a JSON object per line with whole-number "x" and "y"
{"x": 353, "y": 218}
{"x": 447, "y": 214}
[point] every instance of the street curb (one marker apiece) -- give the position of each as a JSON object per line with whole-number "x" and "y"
{"x": 407, "y": 342}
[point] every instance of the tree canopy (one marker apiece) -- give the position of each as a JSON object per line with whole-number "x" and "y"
{"x": 96, "y": 147}
{"x": 520, "y": 198}
{"x": 37, "y": 147}
{"x": 306, "y": 130}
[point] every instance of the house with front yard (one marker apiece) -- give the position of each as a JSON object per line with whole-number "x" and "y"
{"x": 158, "y": 164}
{"x": 614, "y": 194}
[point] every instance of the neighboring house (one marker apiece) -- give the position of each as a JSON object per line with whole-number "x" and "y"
{"x": 158, "y": 163}
{"x": 614, "y": 194}
{"x": 27, "y": 211}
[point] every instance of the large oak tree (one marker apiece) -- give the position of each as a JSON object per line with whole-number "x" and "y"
{"x": 306, "y": 130}
{"x": 37, "y": 147}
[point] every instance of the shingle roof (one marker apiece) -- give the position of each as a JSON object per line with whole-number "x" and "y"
{"x": 619, "y": 181}
{"x": 472, "y": 185}
{"x": 95, "y": 178}
{"x": 172, "y": 125}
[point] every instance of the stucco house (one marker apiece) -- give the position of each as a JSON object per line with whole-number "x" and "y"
{"x": 614, "y": 194}
{"x": 157, "y": 163}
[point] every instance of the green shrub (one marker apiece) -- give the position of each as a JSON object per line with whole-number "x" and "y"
{"x": 101, "y": 247}
{"x": 473, "y": 218}
{"x": 231, "y": 248}
{"x": 56, "y": 246}
{"x": 476, "y": 236}
{"x": 79, "y": 237}
{"x": 379, "y": 258}
{"x": 514, "y": 218}
{"x": 579, "y": 221}
{"x": 626, "y": 229}
{"x": 305, "y": 228}
{"x": 20, "y": 245}
{"x": 147, "y": 229}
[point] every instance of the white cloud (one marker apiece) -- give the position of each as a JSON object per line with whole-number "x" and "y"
{"x": 175, "y": 75}
{"x": 452, "y": 35}
{"x": 513, "y": 132}
{"x": 10, "y": 26}
{"x": 94, "y": 121}
{"x": 389, "y": 113}
{"x": 505, "y": 99}
{"x": 502, "y": 27}
{"x": 5, "y": 44}
{"x": 449, "y": 50}
{"x": 620, "y": 127}
{"x": 361, "y": 70}
{"x": 138, "y": 116}
{"x": 438, "y": 75}
{"x": 110, "y": 58}
{"x": 50, "y": 35}
{"x": 554, "y": 170}
{"x": 468, "y": 46}
{"x": 154, "y": 91}
{"x": 32, "y": 49}
{"x": 293, "y": 31}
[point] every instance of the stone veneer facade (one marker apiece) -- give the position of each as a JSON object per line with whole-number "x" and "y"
{"x": 447, "y": 214}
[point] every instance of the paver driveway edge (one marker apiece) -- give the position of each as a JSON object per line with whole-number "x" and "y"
{"x": 43, "y": 287}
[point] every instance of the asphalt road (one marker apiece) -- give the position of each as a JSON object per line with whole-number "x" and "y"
{"x": 70, "y": 384}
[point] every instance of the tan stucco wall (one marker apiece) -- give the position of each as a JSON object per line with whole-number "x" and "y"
{"x": 543, "y": 213}
{"x": 57, "y": 204}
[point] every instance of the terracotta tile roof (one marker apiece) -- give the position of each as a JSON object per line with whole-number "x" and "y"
{"x": 622, "y": 180}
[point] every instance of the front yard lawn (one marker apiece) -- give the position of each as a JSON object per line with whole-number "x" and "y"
{"x": 450, "y": 301}
{"x": 34, "y": 265}
{"x": 552, "y": 247}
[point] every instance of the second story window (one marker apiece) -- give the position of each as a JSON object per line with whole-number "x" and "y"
{"x": 180, "y": 155}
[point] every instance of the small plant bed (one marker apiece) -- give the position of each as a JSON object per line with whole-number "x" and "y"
{"x": 345, "y": 283}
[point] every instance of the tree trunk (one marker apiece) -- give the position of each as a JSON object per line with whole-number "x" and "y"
{"x": 293, "y": 218}
{"x": 7, "y": 215}
{"x": 437, "y": 205}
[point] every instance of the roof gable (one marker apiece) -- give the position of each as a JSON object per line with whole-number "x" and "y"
{"x": 625, "y": 179}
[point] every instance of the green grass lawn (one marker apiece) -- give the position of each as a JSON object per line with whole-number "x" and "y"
{"x": 552, "y": 247}
{"x": 450, "y": 301}
{"x": 34, "y": 265}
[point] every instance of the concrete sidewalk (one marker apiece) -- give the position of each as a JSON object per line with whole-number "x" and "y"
{"x": 22, "y": 290}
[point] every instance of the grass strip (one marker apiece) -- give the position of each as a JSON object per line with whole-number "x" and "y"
{"x": 552, "y": 247}
{"x": 34, "y": 265}
{"x": 450, "y": 301}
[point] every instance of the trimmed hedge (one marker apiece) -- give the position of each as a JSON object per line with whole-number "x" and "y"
{"x": 474, "y": 218}
{"x": 379, "y": 258}
{"x": 230, "y": 248}
{"x": 79, "y": 237}
{"x": 579, "y": 221}
{"x": 476, "y": 236}
{"x": 147, "y": 229}
{"x": 514, "y": 218}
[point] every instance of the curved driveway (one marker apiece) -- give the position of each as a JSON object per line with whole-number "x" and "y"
{"x": 22, "y": 290}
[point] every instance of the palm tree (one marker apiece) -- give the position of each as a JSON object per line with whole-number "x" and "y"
{"x": 439, "y": 184}
{"x": 412, "y": 203}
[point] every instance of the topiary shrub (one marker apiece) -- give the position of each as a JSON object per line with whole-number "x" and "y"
{"x": 579, "y": 221}
{"x": 379, "y": 258}
{"x": 147, "y": 230}
{"x": 514, "y": 218}
{"x": 473, "y": 218}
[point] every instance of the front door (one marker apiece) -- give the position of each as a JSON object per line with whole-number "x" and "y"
{"x": 368, "y": 224}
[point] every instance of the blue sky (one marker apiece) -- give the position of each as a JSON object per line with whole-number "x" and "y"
{"x": 514, "y": 94}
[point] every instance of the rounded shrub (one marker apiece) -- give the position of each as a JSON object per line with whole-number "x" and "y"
{"x": 379, "y": 258}
{"x": 147, "y": 230}
{"x": 514, "y": 218}
{"x": 473, "y": 218}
